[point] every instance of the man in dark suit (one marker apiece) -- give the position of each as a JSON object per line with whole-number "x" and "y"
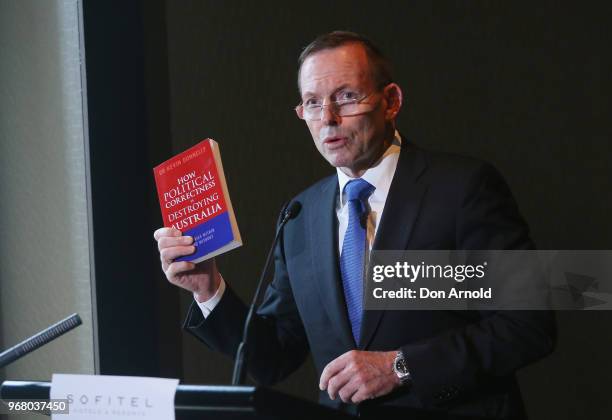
{"x": 386, "y": 194}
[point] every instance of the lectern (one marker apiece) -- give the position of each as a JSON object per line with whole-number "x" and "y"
{"x": 214, "y": 402}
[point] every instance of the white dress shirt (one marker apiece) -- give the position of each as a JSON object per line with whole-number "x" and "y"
{"x": 380, "y": 176}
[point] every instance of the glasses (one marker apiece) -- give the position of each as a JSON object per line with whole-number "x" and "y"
{"x": 350, "y": 104}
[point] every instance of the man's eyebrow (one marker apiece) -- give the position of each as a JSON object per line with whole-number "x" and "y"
{"x": 336, "y": 90}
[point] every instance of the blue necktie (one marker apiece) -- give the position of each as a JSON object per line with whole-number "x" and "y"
{"x": 353, "y": 251}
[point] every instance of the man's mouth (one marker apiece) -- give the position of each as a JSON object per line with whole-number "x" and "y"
{"x": 334, "y": 142}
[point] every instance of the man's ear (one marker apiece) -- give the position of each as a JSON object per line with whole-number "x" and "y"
{"x": 394, "y": 98}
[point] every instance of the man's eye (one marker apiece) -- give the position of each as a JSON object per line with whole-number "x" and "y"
{"x": 347, "y": 96}
{"x": 311, "y": 103}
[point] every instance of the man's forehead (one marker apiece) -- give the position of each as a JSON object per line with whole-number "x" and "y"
{"x": 347, "y": 63}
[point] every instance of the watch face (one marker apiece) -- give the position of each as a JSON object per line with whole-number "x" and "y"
{"x": 400, "y": 366}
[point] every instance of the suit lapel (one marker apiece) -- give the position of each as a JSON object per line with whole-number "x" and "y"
{"x": 325, "y": 264}
{"x": 399, "y": 216}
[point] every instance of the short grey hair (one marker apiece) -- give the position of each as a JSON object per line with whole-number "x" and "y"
{"x": 381, "y": 67}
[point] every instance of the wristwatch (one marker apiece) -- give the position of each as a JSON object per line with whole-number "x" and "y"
{"x": 401, "y": 368}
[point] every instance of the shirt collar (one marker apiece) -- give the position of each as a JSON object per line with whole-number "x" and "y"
{"x": 379, "y": 175}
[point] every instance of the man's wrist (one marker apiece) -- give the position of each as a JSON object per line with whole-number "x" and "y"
{"x": 204, "y": 296}
{"x": 207, "y": 306}
{"x": 400, "y": 368}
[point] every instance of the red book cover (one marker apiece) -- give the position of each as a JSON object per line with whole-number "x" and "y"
{"x": 194, "y": 199}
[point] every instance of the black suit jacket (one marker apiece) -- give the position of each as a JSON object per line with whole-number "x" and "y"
{"x": 462, "y": 362}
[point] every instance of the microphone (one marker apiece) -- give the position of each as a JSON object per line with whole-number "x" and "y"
{"x": 291, "y": 210}
{"x": 45, "y": 336}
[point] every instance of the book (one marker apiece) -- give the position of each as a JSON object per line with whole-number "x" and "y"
{"x": 194, "y": 199}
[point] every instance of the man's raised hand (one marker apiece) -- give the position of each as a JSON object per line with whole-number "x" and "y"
{"x": 201, "y": 279}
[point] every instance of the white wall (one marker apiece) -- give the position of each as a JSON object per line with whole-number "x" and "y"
{"x": 45, "y": 263}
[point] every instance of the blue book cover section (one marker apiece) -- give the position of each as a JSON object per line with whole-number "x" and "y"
{"x": 209, "y": 236}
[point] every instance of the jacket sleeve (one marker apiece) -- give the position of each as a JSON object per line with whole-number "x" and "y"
{"x": 277, "y": 343}
{"x": 454, "y": 364}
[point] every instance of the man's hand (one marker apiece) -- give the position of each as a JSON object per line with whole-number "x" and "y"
{"x": 360, "y": 375}
{"x": 202, "y": 279}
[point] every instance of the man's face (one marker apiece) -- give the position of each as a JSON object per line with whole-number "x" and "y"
{"x": 352, "y": 143}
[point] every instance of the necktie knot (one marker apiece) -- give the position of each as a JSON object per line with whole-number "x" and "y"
{"x": 358, "y": 189}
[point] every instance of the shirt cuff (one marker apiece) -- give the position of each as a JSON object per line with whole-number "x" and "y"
{"x": 208, "y": 305}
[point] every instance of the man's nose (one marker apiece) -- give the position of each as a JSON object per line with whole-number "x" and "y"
{"x": 329, "y": 115}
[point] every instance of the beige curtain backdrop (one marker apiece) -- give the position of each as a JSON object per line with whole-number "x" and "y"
{"x": 45, "y": 261}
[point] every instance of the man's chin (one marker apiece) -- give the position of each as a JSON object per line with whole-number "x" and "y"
{"x": 337, "y": 160}
{"x": 339, "y": 164}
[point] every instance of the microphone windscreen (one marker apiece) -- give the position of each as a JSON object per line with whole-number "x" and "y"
{"x": 293, "y": 210}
